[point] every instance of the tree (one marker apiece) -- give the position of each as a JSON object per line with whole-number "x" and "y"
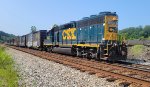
{"x": 33, "y": 29}
{"x": 55, "y": 25}
{"x": 146, "y": 31}
{"x": 136, "y": 32}
{"x": 5, "y": 36}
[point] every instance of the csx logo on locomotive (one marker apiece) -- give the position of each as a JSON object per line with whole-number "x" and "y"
{"x": 69, "y": 34}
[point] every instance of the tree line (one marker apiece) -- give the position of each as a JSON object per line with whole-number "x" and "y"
{"x": 5, "y": 36}
{"x": 136, "y": 32}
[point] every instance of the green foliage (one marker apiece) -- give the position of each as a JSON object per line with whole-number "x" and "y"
{"x": 8, "y": 76}
{"x": 146, "y": 31}
{"x": 5, "y": 36}
{"x": 137, "y": 50}
{"x": 55, "y": 25}
{"x": 33, "y": 29}
{"x": 136, "y": 32}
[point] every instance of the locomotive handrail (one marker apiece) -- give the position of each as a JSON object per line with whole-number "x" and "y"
{"x": 108, "y": 42}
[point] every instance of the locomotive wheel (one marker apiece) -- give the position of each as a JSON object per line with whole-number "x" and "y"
{"x": 89, "y": 55}
{"x": 78, "y": 52}
{"x": 124, "y": 55}
{"x": 73, "y": 51}
{"x": 112, "y": 56}
{"x": 97, "y": 57}
{"x": 49, "y": 49}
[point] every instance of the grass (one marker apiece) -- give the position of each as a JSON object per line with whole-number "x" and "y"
{"x": 137, "y": 49}
{"x": 149, "y": 38}
{"x": 8, "y": 76}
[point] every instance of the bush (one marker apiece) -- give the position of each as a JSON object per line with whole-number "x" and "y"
{"x": 137, "y": 49}
{"x": 8, "y": 76}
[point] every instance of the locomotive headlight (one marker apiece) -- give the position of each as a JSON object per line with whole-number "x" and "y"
{"x": 115, "y": 44}
{"x": 104, "y": 24}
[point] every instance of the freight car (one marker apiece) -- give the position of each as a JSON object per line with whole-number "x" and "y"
{"x": 16, "y": 41}
{"x": 29, "y": 40}
{"x": 32, "y": 40}
{"x": 38, "y": 39}
{"x": 22, "y": 41}
{"x": 93, "y": 37}
{"x": 10, "y": 42}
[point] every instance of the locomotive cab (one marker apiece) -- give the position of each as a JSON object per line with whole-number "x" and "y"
{"x": 113, "y": 49}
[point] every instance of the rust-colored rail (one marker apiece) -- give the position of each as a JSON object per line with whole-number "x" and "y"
{"x": 122, "y": 75}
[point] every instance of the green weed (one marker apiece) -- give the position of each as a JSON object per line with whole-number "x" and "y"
{"x": 8, "y": 76}
{"x": 137, "y": 49}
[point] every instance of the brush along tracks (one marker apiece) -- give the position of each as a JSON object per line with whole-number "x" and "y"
{"x": 122, "y": 75}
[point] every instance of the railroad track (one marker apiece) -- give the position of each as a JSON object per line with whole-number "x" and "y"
{"x": 140, "y": 67}
{"x": 123, "y": 75}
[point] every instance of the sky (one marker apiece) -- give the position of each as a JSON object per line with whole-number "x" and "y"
{"x": 17, "y": 16}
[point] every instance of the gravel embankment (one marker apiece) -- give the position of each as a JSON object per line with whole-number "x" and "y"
{"x": 142, "y": 57}
{"x": 37, "y": 72}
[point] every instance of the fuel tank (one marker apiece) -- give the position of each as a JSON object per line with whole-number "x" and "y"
{"x": 62, "y": 50}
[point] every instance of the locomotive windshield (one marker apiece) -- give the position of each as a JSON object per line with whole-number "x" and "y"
{"x": 113, "y": 25}
{"x": 113, "y": 22}
{"x": 113, "y": 29}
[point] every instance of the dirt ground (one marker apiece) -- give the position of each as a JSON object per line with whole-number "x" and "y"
{"x": 139, "y": 52}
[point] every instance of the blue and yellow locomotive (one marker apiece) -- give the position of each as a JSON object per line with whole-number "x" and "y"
{"x": 92, "y": 37}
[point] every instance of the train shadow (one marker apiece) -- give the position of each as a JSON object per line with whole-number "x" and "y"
{"x": 131, "y": 61}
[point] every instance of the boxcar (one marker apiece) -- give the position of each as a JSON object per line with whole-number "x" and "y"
{"x": 29, "y": 40}
{"x": 22, "y": 42}
{"x": 16, "y": 41}
{"x": 38, "y": 38}
{"x": 11, "y": 42}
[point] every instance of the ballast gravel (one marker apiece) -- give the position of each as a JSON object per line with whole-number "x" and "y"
{"x": 38, "y": 72}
